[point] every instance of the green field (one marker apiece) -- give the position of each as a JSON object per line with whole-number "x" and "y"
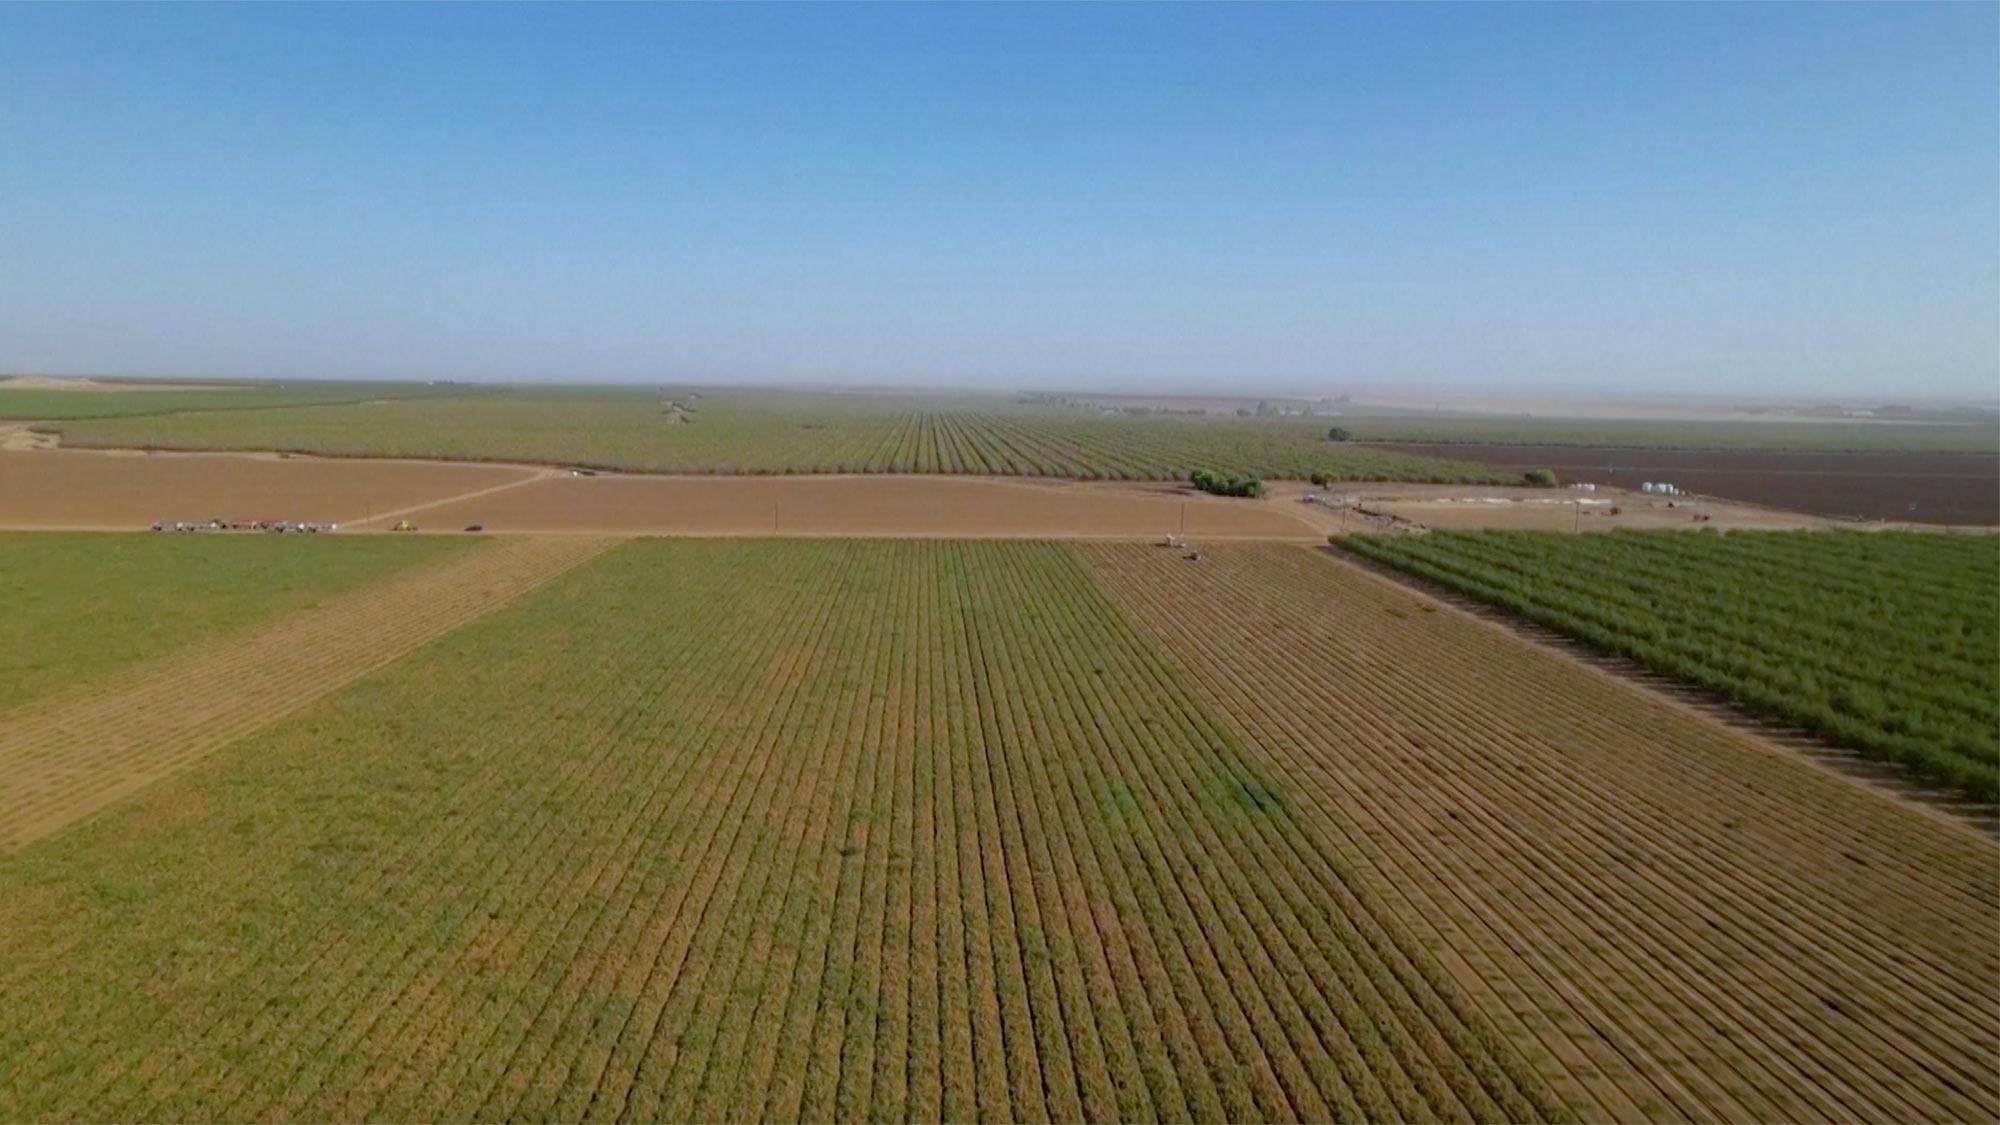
{"x": 1885, "y": 643}
{"x": 682, "y": 429}
{"x": 33, "y": 404}
{"x": 778, "y": 432}
{"x": 78, "y": 606}
{"x": 737, "y": 830}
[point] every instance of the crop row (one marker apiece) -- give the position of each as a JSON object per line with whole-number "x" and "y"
{"x": 738, "y": 830}
{"x": 746, "y": 433}
{"x": 1680, "y": 921}
{"x": 1888, "y": 644}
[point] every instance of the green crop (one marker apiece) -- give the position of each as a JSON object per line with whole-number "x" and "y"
{"x": 1887, "y": 643}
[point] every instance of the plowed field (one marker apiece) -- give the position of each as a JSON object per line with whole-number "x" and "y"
{"x": 1681, "y": 921}
{"x": 66, "y": 755}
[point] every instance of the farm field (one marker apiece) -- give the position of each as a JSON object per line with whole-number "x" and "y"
{"x": 718, "y": 830}
{"x": 839, "y": 829}
{"x": 1792, "y": 436}
{"x": 32, "y": 401}
{"x": 67, "y": 754}
{"x": 1886, "y": 643}
{"x": 98, "y": 489}
{"x": 79, "y": 606}
{"x": 60, "y": 488}
{"x": 1948, "y": 488}
{"x": 887, "y": 506}
{"x": 777, "y": 432}
{"x": 1677, "y": 919}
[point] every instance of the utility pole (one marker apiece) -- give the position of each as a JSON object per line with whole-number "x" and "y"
{"x": 1576, "y": 524}
{"x": 1183, "y": 517}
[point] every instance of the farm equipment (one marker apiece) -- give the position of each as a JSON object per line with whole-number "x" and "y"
{"x": 404, "y": 525}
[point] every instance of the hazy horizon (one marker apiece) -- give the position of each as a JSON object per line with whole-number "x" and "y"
{"x": 1763, "y": 203}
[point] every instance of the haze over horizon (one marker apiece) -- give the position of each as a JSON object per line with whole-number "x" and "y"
{"x": 1779, "y": 202}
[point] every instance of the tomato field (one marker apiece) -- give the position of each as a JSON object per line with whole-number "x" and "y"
{"x": 769, "y": 829}
{"x": 739, "y": 830}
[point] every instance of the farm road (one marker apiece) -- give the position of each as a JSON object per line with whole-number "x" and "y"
{"x": 65, "y": 757}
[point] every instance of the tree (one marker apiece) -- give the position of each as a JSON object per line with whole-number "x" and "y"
{"x": 1338, "y": 433}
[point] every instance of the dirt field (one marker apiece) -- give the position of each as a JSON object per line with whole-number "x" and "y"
{"x": 1677, "y": 919}
{"x": 1458, "y": 507}
{"x": 103, "y": 490}
{"x": 62, "y": 488}
{"x": 886, "y": 506}
{"x": 1950, "y": 488}
{"x": 70, "y": 754}
{"x": 93, "y": 386}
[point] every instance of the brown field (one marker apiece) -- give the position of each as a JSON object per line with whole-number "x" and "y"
{"x": 97, "y": 386}
{"x": 1677, "y": 920}
{"x": 66, "y": 756}
{"x": 878, "y": 506}
{"x": 64, "y": 488}
{"x": 1947, "y": 488}
{"x": 104, "y": 490}
{"x": 1461, "y": 507}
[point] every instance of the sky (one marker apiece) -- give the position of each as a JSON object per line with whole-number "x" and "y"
{"x": 1770, "y": 199}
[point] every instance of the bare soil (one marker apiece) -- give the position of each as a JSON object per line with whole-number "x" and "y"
{"x": 104, "y": 489}
{"x": 1468, "y": 507}
{"x": 1936, "y": 488}
{"x": 64, "y": 488}
{"x": 93, "y": 386}
{"x": 888, "y": 506}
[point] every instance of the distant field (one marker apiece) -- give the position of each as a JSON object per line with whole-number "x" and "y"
{"x": 1944, "y": 488}
{"x": 78, "y": 606}
{"x": 780, "y": 432}
{"x": 59, "y": 405}
{"x": 1858, "y": 436}
{"x": 1886, "y": 643}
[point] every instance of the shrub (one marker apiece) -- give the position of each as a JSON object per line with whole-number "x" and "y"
{"x": 1339, "y": 433}
{"x": 1221, "y": 484}
{"x": 1540, "y": 478}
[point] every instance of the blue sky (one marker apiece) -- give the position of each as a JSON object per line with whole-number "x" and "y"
{"x": 1754, "y": 199}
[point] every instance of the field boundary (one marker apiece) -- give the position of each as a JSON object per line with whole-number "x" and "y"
{"x": 1894, "y": 780}
{"x": 67, "y": 756}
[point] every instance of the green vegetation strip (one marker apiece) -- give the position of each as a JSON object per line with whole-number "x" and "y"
{"x": 737, "y": 831}
{"x": 1888, "y": 644}
{"x": 794, "y": 432}
{"x": 35, "y": 404}
{"x": 78, "y": 606}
